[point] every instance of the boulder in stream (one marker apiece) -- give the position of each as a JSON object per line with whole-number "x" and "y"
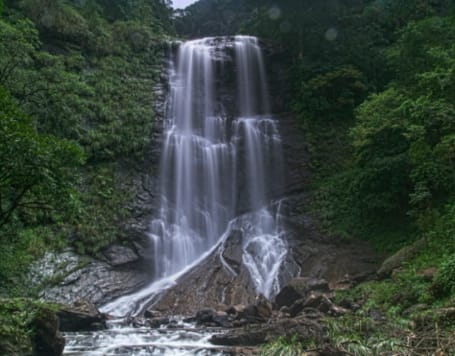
{"x": 81, "y": 316}
{"x": 48, "y": 340}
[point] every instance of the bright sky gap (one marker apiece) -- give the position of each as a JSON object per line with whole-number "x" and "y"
{"x": 181, "y": 4}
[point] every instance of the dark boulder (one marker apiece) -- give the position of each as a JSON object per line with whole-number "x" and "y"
{"x": 157, "y": 322}
{"x": 211, "y": 317}
{"x": 204, "y": 316}
{"x": 299, "y": 288}
{"x": 223, "y": 320}
{"x": 117, "y": 255}
{"x": 81, "y": 316}
{"x": 263, "y": 307}
{"x": 322, "y": 303}
{"x": 319, "y": 302}
{"x": 150, "y": 313}
{"x": 296, "y": 308}
{"x": 48, "y": 340}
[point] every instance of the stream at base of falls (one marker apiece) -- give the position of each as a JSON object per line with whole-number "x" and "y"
{"x": 178, "y": 339}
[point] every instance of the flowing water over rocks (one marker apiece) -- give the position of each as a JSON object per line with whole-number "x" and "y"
{"x": 139, "y": 341}
{"x": 216, "y": 165}
{"x": 221, "y": 170}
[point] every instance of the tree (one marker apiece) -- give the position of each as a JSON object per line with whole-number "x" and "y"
{"x": 37, "y": 171}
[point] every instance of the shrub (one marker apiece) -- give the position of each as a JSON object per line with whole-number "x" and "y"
{"x": 445, "y": 278}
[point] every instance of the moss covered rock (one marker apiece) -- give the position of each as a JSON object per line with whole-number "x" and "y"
{"x": 29, "y": 328}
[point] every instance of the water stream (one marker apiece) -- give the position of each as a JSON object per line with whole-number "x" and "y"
{"x": 221, "y": 166}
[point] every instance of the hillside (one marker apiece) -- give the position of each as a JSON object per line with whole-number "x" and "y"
{"x": 365, "y": 91}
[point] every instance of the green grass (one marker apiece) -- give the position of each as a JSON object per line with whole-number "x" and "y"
{"x": 287, "y": 347}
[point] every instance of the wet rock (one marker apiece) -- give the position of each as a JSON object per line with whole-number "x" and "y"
{"x": 263, "y": 307}
{"x": 138, "y": 322}
{"x": 258, "y": 312}
{"x": 299, "y": 288}
{"x": 155, "y": 323}
{"x": 81, "y": 316}
{"x": 66, "y": 278}
{"x": 151, "y": 314}
{"x": 213, "y": 282}
{"x": 240, "y": 338}
{"x": 235, "y": 309}
{"x": 322, "y": 303}
{"x": 48, "y": 340}
{"x": 173, "y": 324}
{"x": 250, "y": 314}
{"x": 295, "y": 308}
{"x": 319, "y": 302}
{"x": 205, "y": 316}
{"x": 232, "y": 252}
{"x": 117, "y": 255}
{"x": 210, "y": 317}
{"x": 223, "y": 320}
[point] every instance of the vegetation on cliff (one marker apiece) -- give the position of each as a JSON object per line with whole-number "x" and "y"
{"x": 29, "y": 328}
{"x": 76, "y": 94}
{"x": 373, "y": 88}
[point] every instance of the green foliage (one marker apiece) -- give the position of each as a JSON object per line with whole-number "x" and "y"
{"x": 37, "y": 170}
{"x": 104, "y": 199}
{"x": 154, "y": 13}
{"x": 332, "y": 95}
{"x": 442, "y": 241}
{"x": 445, "y": 279}
{"x": 286, "y": 347}
{"x": 121, "y": 117}
{"x": 18, "y": 253}
{"x": 57, "y": 17}
{"x": 15, "y": 334}
{"x": 402, "y": 158}
{"x": 76, "y": 95}
{"x": 18, "y": 42}
{"x": 17, "y": 325}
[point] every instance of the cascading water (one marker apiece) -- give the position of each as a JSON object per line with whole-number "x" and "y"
{"x": 220, "y": 169}
{"x": 205, "y": 153}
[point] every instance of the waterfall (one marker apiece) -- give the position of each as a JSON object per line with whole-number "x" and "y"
{"x": 221, "y": 167}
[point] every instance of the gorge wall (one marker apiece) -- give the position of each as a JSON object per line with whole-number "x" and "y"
{"x": 126, "y": 269}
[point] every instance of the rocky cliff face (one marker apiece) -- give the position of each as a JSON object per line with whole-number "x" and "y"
{"x": 221, "y": 278}
{"x": 67, "y": 277}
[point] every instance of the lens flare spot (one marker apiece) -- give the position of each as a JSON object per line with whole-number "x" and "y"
{"x": 331, "y": 34}
{"x": 274, "y": 13}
